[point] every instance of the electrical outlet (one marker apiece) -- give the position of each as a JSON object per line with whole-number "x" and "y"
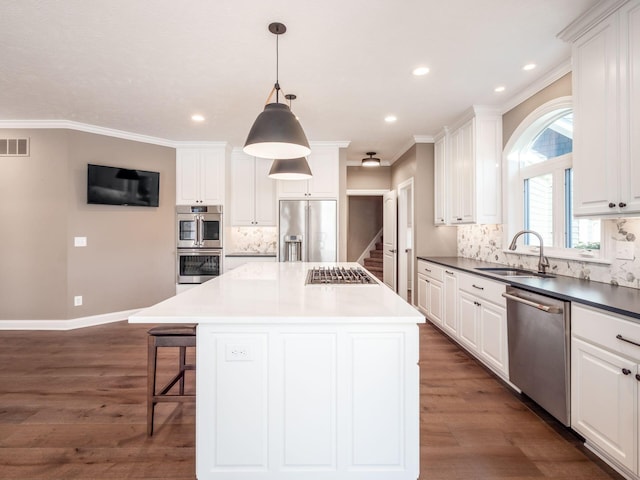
{"x": 77, "y": 300}
{"x": 625, "y": 250}
{"x": 238, "y": 353}
{"x": 79, "y": 241}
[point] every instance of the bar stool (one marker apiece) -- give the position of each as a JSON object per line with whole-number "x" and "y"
{"x": 181, "y": 336}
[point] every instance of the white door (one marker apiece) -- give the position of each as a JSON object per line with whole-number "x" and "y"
{"x": 389, "y": 234}
{"x": 405, "y": 238}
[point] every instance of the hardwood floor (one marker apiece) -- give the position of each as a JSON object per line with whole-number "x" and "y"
{"x": 72, "y": 406}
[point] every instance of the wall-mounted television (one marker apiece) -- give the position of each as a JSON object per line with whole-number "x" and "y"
{"x": 122, "y": 186}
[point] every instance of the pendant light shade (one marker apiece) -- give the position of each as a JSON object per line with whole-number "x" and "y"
{"x": 371, "y": 161}
{"x": 276, "y": 133}
{"x": 290, "y": 169}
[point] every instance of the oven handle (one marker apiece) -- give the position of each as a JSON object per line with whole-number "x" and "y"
{"x": 539, "y": 306}
{"x": 199, "y": 229}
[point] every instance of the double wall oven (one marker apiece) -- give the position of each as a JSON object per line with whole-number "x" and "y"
{"x": 199, "y": 242}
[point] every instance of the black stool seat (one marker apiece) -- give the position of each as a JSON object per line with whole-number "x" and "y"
{"x": 180, "y": 336}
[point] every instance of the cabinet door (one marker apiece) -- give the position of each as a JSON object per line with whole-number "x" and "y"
{"x": 212, "y": 176}
{"x": 596, "y": 149}
{"x": 462, "y": 181}
{"x": 467, "y": 321}
{"x": 439, "y": 181}
{"x": 187, "y": 184}
{"x": 435, "y": 300}
{"x": 604, "y": 401}
{"x": 493, "y": 336}
{"x": 242, "y": 189}
{"x": 265, "y": 193}
{"x": 450, "y": 316}
{"x": 324, "y": 167}
{"x": 423, "y": 293}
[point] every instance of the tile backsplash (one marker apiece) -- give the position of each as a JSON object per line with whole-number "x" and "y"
{"x": 485, "y": 242}
{"x": 251, "y": 240}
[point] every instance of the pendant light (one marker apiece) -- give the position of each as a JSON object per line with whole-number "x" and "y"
{"x": 290, "y": 168}
{"x": 276, "y": 133}
{"x": 371, "y": 161}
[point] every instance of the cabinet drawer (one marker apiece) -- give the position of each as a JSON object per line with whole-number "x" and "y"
{"x": 601, "y": 328}
{"x": 483, "y": 288}
{"x": 430, "y": 270}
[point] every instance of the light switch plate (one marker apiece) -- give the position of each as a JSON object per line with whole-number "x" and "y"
{"x": 625, "y": 250}
{"x": 79, "y": 241}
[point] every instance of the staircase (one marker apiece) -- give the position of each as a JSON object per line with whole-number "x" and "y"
{"x": 374, "y": 262}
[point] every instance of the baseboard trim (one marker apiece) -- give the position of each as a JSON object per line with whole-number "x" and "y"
{"x": 70, "y": 324}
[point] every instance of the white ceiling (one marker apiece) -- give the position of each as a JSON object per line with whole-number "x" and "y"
{"x": 145, "y": 66}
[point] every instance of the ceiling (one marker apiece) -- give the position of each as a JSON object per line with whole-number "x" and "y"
{"x": 146, "y": 66}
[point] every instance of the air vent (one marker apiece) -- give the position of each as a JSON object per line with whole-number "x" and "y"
{"x": 14, "y": 147}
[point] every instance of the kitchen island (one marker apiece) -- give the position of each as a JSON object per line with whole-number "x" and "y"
{"x": 300, "y": 381}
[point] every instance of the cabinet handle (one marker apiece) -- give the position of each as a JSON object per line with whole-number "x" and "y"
{"x": 612, "y": 205}
{"x": 637, "y": 377}
{"x": 447, "y": 271}
{"x": 427, "y": 270}
{"x": 626, "y": 371}
{"x": 620, "y": 337}
{"x": 476, "y": 286}
{"x": 477, "y": 304}
{"x": 622, "y": 204}
{"x": 459, "y": 219}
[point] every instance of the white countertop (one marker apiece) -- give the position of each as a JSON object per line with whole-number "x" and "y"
{"x": 276, "y": 293}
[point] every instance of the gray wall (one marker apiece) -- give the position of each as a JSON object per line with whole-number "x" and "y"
{"x": 418, "y": 163}
{"x": 129, "y": 260}
{"x": 367, "y": 178}
{"x": 365, "y": 221}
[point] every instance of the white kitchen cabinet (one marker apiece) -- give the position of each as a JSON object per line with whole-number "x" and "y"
{"x": 471, "y": 153}
{"x": 253, "y": 193}
{"x": 440, "y": 178}
{"x": 431, "y": 291}
{"x": 606, "y": 97}
{"x": 604, "y": 384}
{"x": 450, "y": 315}
{"x": 324, "y": 163}
{"x": 482, "y": 321}
{"x": 200, "y": 175}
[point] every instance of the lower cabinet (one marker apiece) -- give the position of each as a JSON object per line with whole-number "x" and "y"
{"x": 605, "y": 383}
{"x": 431, "y": 291}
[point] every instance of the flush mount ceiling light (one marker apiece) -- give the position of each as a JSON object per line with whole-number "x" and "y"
{"x": 371, "y": 161}
{"x": 276, "y": 133}
{"x": 290, "y": 168}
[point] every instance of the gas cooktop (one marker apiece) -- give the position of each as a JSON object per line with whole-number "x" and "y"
{"x": 339, "y": 276}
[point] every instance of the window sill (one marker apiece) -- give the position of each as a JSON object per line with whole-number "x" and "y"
{"x": 560, "y": 255}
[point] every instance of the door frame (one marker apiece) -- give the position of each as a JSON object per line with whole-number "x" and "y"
{"x": 406, "y": 243}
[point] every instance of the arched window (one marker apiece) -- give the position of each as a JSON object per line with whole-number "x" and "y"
{"x": 540, "y": 181}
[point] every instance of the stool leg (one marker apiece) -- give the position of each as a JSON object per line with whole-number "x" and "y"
{"x": 152, "y": 357}
{"x": 183, "y": 357}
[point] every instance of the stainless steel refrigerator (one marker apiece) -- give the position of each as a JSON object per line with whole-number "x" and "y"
{"x": 308, "y": 230}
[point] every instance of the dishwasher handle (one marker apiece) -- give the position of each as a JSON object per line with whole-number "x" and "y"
{"x": 539, "y": 306}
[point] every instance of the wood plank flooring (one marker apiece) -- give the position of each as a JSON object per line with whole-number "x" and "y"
{"x": 72, "y": 406}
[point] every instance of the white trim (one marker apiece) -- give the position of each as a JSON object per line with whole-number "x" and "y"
{"x": 70, "y": 324}
{"x": 589, "y": 19}
{"x": 553, "y": 75}
{"x": 423, "y": 138}
{"x": 369, "y": 247}
{"x": 368, "y": 193}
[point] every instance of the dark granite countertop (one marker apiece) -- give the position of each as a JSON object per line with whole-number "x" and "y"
{"x": 622, "y": 300}
{"x": 249, "y": 254}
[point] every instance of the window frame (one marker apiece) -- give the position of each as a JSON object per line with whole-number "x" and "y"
{"x": 513, "y": 185}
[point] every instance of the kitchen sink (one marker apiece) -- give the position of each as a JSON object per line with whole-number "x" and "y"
{"x": 514, "y": 272}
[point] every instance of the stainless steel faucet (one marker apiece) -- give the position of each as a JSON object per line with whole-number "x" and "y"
{"x": 543, "y": 262}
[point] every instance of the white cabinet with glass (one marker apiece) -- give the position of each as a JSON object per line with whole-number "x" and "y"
{"x": 253, "y": 193}
{"x": 606, "y": 92}
{"x": 200, "y": 175}
{"x": 467, "y": 167}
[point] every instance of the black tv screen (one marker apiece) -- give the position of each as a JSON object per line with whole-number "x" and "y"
{"x": 122, "y": 186}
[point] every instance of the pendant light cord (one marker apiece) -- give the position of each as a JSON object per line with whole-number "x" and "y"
{"x": 277, "y": 85}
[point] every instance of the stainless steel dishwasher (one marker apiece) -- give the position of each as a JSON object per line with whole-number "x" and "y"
{"x": 538, "y": 329}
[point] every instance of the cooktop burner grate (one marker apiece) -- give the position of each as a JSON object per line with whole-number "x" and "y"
{"x": 339, "y": 276}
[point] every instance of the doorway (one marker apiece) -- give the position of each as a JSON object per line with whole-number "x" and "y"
{"x": 406, "y": 235}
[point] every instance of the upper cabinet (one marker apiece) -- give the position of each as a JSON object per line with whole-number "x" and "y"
{"x": 200, "y": 175}
{"x": 467, "y": 182}
{"x": 324, "y": 162}
{"x": 606, "y": 97}
{"x": 253, "y": 193}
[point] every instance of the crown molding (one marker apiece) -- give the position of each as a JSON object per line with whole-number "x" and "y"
{"x": 589, "y": 19}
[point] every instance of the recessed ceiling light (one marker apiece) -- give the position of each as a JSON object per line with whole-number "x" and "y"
{"x": 499, "y": 89}
{"x": 197, "y": 118}
{"x": 390, "y": 118}
{"x": 529, "y": 66}
{"x": 420, "y": 71}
